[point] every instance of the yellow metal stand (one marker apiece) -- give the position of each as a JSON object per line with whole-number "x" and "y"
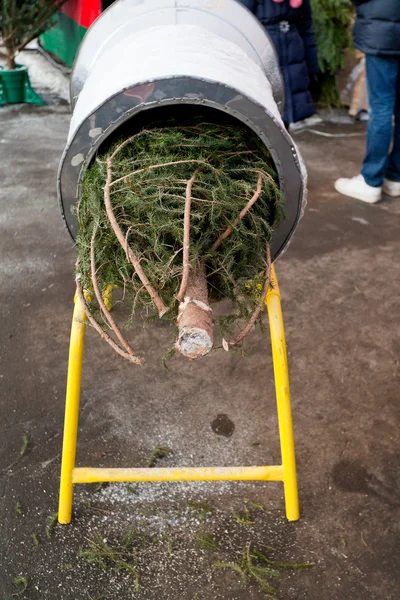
{"x": 286, "y": 472}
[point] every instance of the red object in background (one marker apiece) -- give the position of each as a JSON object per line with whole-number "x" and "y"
{"x": 70, "y": 25}
{"x": 83, "y": 12}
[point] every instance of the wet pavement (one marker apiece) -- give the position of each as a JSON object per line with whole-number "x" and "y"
{"x": 340, "y": 286}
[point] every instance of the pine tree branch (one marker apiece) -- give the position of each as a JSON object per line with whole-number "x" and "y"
{"x": 100, "y": 299}
{"x": 242, "y": 213}
{"x": 162, "y": 308}
{"x": 38, "y": 27}
{"x": 258, "y": 308}
{"x": 100, "y": 331}
{"x": 186, "y": 238}
{"x": 151, "y": 167}
{"x": 126, "y": 142}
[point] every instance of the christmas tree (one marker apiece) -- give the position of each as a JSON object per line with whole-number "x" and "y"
{"x": 21, "y": 21}
{"x": 174, "y": 217}
{"x": 332, "y": 23}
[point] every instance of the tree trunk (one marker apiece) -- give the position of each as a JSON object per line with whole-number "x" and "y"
{"x": 195, "y": 324}
{"x": 10, "y": 61}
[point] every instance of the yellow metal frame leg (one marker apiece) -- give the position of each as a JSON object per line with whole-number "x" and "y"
{"x": 286, "y": 472}
{"x": 282, "y": 389}
{"x": 76, "y": 347}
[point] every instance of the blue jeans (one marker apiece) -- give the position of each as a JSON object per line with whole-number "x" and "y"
{"x": 383, "y": 81}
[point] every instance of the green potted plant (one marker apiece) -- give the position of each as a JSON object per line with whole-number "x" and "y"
{"x": 332, "y": 23}
{"x": 21, "y": 21}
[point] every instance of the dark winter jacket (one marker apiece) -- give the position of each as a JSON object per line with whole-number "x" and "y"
{"x": 377, "y": 28}
{"x": 292, "y": 34}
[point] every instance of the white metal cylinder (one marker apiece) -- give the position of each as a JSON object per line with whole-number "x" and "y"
{"x": 142, "y": 55}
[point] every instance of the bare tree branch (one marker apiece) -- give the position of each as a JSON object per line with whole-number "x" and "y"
{"x": 242, "y": 213}
{"x": 100, "y": 299}
{"x": 186, "y": 238}
{"x": 162, "y": 308}
{"x": 258, "y": 308}
{"x": 151, "y": 167}
{"x": 100, "y": 331}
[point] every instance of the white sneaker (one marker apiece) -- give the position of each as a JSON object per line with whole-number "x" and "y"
{"x": 357, "y": 187}
{"x": 391, "y": 188}
{"x": 308, "y": 122}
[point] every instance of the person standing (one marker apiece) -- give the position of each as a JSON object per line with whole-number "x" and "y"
{"x": 377, "y": 34}
{"x": 289, "y": 25}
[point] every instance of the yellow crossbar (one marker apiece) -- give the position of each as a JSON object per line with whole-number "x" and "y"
{"x": 90, "y": 475}
{"x": 71, "y": 475}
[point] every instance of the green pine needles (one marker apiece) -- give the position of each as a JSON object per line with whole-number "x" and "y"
{"x": 21, "y": 21}
{"x": 174, "y": 201}
{"x": 332, "y": 21}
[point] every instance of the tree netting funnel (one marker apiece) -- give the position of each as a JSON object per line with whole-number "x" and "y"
{"x": 141, "y": 56}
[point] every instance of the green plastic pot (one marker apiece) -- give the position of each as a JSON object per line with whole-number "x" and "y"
{"x": 14, "y": 83}
{"x": 15, "y": 87}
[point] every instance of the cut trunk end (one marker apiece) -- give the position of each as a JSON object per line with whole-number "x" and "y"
{"x": 195, "y": 324}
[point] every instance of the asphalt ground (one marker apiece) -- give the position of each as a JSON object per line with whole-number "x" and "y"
{"x": 340, "y": 286}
